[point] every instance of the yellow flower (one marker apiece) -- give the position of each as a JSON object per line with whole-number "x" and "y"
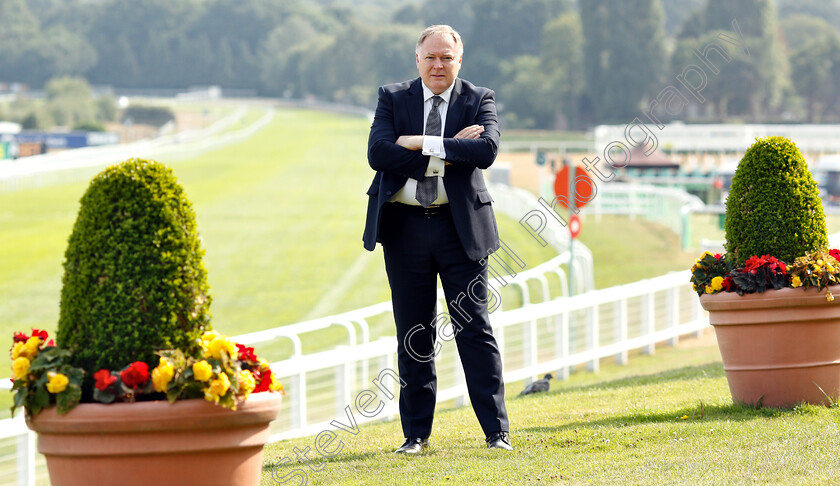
{"x": 830, "y": 268}
{"x": 17, "y": 350}
{"x": 693, "y": 286}
{"x": 717, "y": 283}
{"x": 828, "y": 296}
{"x": 209, "y": 336}
{"x": 704, "y": 255}
{"x": 20, "y": 368}
{"x": 57, "y": 382}
{"x": 202, "y": 370}
{"x": 684, "y": 417}
{"x": 795, "y": 282}
{"x": 275, "y": 384}
{"x": 217, "y": 388}
{"x": 709, "y": 289}
{"x": 820, "y": 263}
{"x": 247, "y": 383}
{"x": 162, "y": 375}
{"x": 216, "y": 346}
{"x": 206, "y": 339}
{"x": 30, "y": 349}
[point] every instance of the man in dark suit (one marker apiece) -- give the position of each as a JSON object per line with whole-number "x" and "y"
{"x": 430, "y": 209}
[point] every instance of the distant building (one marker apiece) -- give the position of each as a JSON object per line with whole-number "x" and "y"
{"x": 26, "y": 144}
{"x": 680, "y": 138}
{"x": 8, "y": 145}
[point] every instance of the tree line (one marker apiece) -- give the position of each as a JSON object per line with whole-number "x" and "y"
{"x": 566, "y": 64}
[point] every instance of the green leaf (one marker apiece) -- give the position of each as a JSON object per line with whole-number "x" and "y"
{"x": 68, "y": 399}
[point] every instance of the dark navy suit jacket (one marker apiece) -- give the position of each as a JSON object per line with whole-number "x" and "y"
{"x": 400, "y": 112}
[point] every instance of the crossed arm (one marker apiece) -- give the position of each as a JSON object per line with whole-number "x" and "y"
{"x": 415, "y": 142}
{"x": 474, "y": 146}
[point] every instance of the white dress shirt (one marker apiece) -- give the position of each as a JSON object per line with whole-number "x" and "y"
{"x": 433, "y": 147}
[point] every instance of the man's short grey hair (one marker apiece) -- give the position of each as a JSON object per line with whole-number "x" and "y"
{"x": 440, "y": 30}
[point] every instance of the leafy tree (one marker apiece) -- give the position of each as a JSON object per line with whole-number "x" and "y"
{"x": 409, "y": 14}
{"x": 395, "y": 59}
{"x": 277, "y": 75}
{"x": 65, "y": 53}
{"x": 798, "y": 30}
{"x": 19, "y": 29}
{"x": 816, "y": 75}
{"x": 529, "y": 97}
{"x": 69, "y": 101}
{"x": 503, "y": 30}
{"x": 562, "y": 56}
{"x": 676, "y": 11}
{"x": 134, "y": 38}
{"x": 624, "y": 52}
{"x": 752, "y": 83}
{"x": 457, "y": 13}
{"x": 829, "y": 10}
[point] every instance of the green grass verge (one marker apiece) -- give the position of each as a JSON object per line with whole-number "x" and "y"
{"x": 663, "y": 419}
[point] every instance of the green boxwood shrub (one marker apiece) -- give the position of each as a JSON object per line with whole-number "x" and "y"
{"x": 773, "y": 207}
{"x": 134, "y": 281}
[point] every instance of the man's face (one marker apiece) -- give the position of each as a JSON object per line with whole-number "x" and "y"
{"x": 438, "y": 62}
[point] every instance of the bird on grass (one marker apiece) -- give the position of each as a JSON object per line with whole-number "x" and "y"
{"x": 538, "y": 386}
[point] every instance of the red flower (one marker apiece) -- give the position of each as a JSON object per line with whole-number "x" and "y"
{"x": 773, "y": 264}
{"x": 728, "y": 284}
{"x": 718, "y": 256}
{"x": 246, "y": 353}
{"x": 43, "y": 335}
{"x": 136, "y": 375}
{"x": 835, "y": 254}
{"x": 20, "y": 337}
{"x": 104, "y": 379}
{"x": 263, "y": 380}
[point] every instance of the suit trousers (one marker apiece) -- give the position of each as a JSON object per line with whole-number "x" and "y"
{"x": 419, "y": 245}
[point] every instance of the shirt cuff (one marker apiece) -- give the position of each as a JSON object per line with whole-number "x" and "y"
{"x": 433, "y": 145}
{"x": 435, "y": 167}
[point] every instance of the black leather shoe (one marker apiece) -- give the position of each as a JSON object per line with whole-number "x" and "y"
{"x": 413, "y": 445}
{"x": 499, "y": 440}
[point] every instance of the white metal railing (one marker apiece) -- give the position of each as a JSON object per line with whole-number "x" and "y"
{"x": 680, "y": 137}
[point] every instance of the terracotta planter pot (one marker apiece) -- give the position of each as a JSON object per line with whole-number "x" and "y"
{"x": 187, "y": 442}
{"x": 780, "y": 347}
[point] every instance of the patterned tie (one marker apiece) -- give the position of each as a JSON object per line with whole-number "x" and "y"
{"x": 427, "y": 186}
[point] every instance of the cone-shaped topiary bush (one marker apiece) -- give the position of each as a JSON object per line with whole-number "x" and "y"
{"x": 134, "y": 281}
{"x": 773, "y": 206}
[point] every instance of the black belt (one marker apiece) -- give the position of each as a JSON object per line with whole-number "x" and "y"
{"x": 429, "y": 211}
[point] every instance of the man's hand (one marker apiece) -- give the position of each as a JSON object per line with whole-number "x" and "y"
{"x": 472, "y": 131}
{"x": 410, "y": 142}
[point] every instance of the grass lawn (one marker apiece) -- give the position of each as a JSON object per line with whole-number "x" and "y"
{"x": 662, "y": 419}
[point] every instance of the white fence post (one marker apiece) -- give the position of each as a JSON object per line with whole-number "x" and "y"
{"x": 673, "y": 296}
{"x": 593, "y": 338}
{"x": 649, "y": 320}
{"x": 26, "y": 459}
{"x": 298, "y": 404}
{"x": 561, "y": 342}
{"x": 621, "y": 329}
